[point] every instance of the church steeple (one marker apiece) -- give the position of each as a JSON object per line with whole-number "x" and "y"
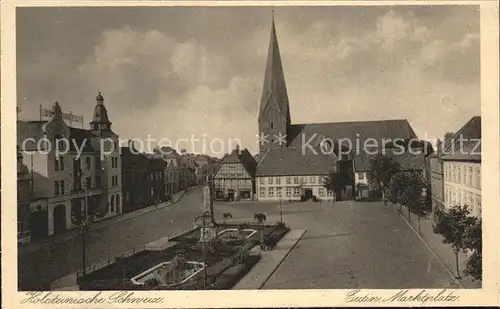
{"x": 274, "y": 113}
{"x": 100, "y": 119}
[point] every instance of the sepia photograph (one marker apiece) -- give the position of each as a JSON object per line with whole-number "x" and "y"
{"x": 207, "y": 148}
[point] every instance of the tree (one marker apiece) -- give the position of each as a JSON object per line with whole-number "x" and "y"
{"x": 382, "y": 168}
{"x": 439, "y": 146}
{"x": 334, "y": 182}
{"x": 455, "y": 224}
{"x": 474, "y": 242}
{"x": 406, "y": 189}
{"x": 448, "y": 136}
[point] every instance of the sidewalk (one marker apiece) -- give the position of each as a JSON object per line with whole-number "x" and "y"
{"x": 70, "y": 234}
{"x": 443, "y": 251}
{"x": 270, "y": 261}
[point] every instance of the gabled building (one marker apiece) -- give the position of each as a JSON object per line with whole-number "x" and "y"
{"x": 285, "y": 147}
{"x": 462, "y": 167}
{"x": 86, "y": 168}
{"x": 235, "y": 180}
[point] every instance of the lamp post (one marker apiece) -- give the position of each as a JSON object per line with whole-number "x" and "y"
{"x": 206, "y": 215}
{"x": 423, "y": 203}
{"x": 85, "y": 230}
{"x": 281, "y": 211}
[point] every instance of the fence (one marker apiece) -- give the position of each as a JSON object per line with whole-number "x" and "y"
{"x": 93, "y": 268}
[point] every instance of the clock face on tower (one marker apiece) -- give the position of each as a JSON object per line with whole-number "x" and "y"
{"x": 97, "y": 114}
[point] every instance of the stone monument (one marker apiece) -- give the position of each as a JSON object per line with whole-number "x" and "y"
{"x": 207, "y": 228}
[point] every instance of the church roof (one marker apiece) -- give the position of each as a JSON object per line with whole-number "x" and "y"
{"x": 465, "y": 145}
{"x": 354, "y": 130}
{"x": 274, "y": 87}
{"x": 295, "y": 162}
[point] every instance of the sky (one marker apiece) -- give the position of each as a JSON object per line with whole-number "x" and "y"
{"x": 173, "y": 73}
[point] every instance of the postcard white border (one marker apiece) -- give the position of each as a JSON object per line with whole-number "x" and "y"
{"x": 488, "y": 295}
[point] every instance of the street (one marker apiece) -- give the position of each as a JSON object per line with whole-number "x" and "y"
{"x": 42, "y": 267}
{"x": 347, "y": 245}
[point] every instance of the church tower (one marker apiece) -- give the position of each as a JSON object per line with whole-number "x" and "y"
{"x": 274, "y": 113}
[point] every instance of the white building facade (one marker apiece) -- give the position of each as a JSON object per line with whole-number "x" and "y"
{"x": 462, "y": 185}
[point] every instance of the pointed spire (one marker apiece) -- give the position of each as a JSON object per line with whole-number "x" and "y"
{"x": 274, "y": 87}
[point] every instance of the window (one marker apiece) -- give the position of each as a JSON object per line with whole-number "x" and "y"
{"x": 270, "y": 180}
{"x": 270, "y": 192}
{"x": 330, "y": 193}
{"x": 296, "y": 191}
{"x": 288, "y": 180}
{"x": 117, "y": 200}
{"x": 112, "y": 203}
{"x": 59, "y": 164}
{"x": 459, "y": 180}
{"x": 289, "y": 192}
{"x": 87, "y": 163}
{"x": 278, "y": 180}
{"x": 61, "y": 187}
{"x": 321, "y": 192}
{"x": 88, "y": 182}
{"x": 152, "y": 192}
{"x": 278, "y": 191}
{"x": 305, "y": 179}
{"x": 272, "y": 125}
{"x": 478, "y": 177}
{"x": 56, "y": 187}
{"x": 469, "y": 176}
{"x": 262, "y": 192}
{"x": 312, "y": 179}
{"x": 296, "y": 180}
{"x": 361, "y": 176}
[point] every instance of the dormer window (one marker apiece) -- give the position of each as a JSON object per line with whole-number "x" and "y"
{"x": 272, "y": 125}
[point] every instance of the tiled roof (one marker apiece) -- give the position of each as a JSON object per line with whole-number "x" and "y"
{"x": 355, "y": 130}
{"x": 465, "y": 145}
{"x": 295, "y": 162}
{"x": 34, "y": 130}
{"x": 81, "y": 137}
{"x": 407, "y": 160}
{"x": 244, "y": 157}
{"x": 470, "y": 151}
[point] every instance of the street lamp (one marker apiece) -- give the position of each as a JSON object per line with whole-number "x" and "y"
{"x": 85, "y": 229}
{"x": 424, "y": 201}
{"x": 206, "y": 215}
{"x": 281, "y": 211}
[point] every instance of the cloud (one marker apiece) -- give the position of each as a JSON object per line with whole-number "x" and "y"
{"x": 166, "y": 80}
{"x": 176, "y": 89}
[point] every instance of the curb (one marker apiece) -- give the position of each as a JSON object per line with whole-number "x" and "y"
{"x": 152, "y": 209}
{"x": 67, "y": 237}
{"x": 459, "y": 282}
{"x": 283, "y": 259}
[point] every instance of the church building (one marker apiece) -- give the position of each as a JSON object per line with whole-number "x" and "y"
{"x": 295, "y": 158}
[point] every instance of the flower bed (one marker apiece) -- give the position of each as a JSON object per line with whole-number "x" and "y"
{"x": 220, "y": 255}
